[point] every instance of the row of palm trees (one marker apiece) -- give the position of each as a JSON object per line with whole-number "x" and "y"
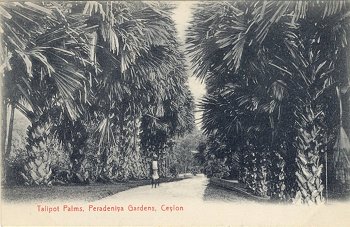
{"x": 272, "y": 70}
{"x": 111, "y": 71}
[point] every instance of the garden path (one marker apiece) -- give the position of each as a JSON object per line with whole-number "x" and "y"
{"x": 187, "y": 190}
{"x": 189, "y": 202}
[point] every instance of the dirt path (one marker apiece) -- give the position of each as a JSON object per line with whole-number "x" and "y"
{"x": 188, "y": 190}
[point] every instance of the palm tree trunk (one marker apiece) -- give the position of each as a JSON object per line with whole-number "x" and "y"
{"x": 77, "y": 159}
{"x": 9, "y": 142}
{"x": 77, "y": 156}
{"x": 309, "y": 168}
{"x": 123, "y": 170}
{"x": 38, "y": 168}
{"x": 134, "y": 164}
{"x": 346, "y": 112}
{"x": 3, "y": 139}
{"x": 4, "y": 126}
{"x": 9, "y": 138}
{"x": 277, "y": 176}
{"x": 107, "y": 173}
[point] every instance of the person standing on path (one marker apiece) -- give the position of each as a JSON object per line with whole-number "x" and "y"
{"x": 155, "y": 176}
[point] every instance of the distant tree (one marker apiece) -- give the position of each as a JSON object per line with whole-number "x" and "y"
{"x": 185, "y": 150}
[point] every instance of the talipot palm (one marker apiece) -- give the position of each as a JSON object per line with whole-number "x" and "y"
{"x": 45, "y": 54}
{"x": 284, "y": 55}
{"x": 139, "y": 42}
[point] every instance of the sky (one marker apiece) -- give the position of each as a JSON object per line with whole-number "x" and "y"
{"x": 182, "y": 16}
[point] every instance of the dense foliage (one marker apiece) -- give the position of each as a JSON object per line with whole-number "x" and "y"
{"x": 271, "y": 70}
{"x": 98, "y": 78}
{"x": 104, "y": 88}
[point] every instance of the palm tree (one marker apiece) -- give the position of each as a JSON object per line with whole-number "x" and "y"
{"x": 43, "y": 50}
{"x": 136, "y": 49}
{"x": 136, "y": 69}
{"x": 314, "y": 64}
{"x": 157, "y": 130}
{"x": 274, "y": 50}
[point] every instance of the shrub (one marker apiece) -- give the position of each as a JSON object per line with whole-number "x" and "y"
{"x": 215, "y": 167}
{"x": 174, "y": 170}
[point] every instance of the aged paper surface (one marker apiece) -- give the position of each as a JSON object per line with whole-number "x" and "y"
{"x": 194, "y": 214}
{"x": 188, "y": 202}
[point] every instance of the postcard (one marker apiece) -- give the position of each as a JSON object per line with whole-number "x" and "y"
{"x": 175, "y": 113}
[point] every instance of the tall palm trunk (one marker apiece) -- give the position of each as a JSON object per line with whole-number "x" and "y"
{"x": 110, "y": 159}
{"x": 77, "y": 159}
{"x": 3, "y": 126}
{"x": 9, "y": 137}
{"x": 277, "y": 176}
{"x": 108, "y": 165}
{"x": 341, "y": 164}
{"x": 3, "y": 139}
{"x": 346, "y": 109}
{"x": 255, "y": 169}
{"x": 309, "y": 168}
{"x": 134, "y": 166}
{"x": 77, "y": 156}
{"x": 140, "y": 165}
{"x": 7, "y": 152}
{"x": 37, "y": 171}
{"x": 290, "y": 170}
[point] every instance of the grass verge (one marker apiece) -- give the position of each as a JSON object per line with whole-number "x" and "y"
{"x": 88, "y": 193}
